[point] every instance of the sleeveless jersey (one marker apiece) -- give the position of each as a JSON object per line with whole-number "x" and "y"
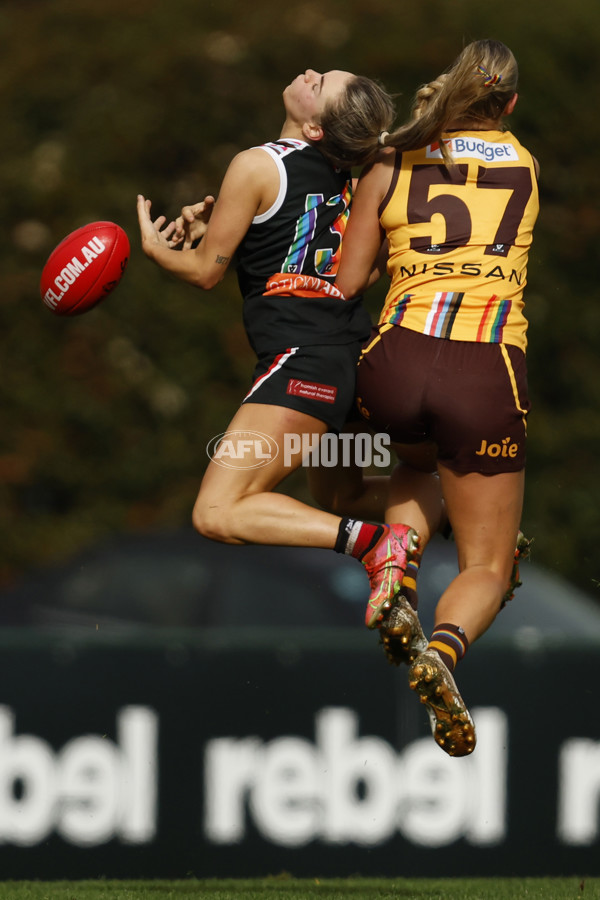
{"x": 300, "y": 235}
{"x": 459, "y": 238}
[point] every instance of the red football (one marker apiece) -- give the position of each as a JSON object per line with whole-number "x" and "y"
{"x": 86, "y": 266}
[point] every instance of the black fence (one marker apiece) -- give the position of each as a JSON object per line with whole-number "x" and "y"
{"x": 210, "y": 753}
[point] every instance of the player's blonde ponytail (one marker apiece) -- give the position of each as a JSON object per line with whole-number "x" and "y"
{"x": 426, "y": 94}
{"x": 475, "y": 89}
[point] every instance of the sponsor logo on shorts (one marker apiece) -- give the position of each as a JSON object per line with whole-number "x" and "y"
{"x": 362, "y": 408}
{"x": 505, "y": 449}
{"x": 326, "y": 393}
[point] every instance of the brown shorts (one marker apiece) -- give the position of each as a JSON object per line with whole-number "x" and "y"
{"x": 470, "y": 398}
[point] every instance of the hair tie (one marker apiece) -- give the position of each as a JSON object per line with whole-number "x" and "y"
{"x": 381, "y": 138}
{"x": 488, "y": 79}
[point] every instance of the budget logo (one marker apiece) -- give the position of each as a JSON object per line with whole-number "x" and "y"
{"x": 242, "y": 449}
{"x": 473, "y": 148}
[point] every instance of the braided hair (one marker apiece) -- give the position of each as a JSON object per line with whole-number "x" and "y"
{"x": 475, "y": 89}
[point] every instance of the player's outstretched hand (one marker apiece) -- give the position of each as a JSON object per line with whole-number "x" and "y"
{"x": 191, "y": 225}
{"x": 157, "y": 232}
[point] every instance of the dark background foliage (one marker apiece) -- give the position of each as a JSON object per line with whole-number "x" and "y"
{"x": 104, "y": 418}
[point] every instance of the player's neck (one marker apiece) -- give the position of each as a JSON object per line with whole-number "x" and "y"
{"x": 474, "y": 125}
{"x": 293, "y": 131}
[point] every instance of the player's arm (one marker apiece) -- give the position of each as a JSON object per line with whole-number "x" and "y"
{"x": 364, "y": 249}
{"x": 250, "y": 186}
{"x": 380, "y": 264}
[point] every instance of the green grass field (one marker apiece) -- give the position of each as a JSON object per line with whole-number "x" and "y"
{"x": 285, "y": 887}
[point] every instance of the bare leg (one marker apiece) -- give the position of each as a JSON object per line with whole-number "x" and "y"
{"x": 485, "y": 511}
{"x": 415, "y": 493}
{"x": 346, "y": 490}
{"x": 237, "y": 504}
{"x": 410, "y": 494}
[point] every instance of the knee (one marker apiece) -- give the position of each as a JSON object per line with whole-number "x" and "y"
{"x": 500, "y": 580}
{"x": 211, "y": 522}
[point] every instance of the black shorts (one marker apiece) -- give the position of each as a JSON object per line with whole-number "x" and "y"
{"x": 471, "y": 399}
{"x": 319, "y": 381}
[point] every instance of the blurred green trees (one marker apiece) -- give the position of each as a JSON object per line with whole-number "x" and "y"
{"x": 104, "y": 418}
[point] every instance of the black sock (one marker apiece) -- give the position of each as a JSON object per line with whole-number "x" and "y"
{"x": 356, "y": 538}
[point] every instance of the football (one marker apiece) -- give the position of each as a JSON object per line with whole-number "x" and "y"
{"x": 86, "y": 266}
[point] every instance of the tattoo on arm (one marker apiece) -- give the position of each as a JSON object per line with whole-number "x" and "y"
{"x": 222, "y": 260}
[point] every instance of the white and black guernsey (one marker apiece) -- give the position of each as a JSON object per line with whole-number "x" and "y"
{"x": 300, "y": 234}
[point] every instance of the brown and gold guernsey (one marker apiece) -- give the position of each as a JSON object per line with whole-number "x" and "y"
{"x": 459, "y": 238}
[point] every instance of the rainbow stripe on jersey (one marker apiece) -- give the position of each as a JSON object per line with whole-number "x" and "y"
{"x": 493, "y": 320}
{"x": 443, "y": 313}
{"x": 441, "y": 317}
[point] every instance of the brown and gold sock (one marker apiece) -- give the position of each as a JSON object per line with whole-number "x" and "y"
{"x": 409, "y": 581}
{"x": 450, "y": 642}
